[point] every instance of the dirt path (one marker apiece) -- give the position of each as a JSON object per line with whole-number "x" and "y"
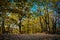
{"x": 30, "y": 37}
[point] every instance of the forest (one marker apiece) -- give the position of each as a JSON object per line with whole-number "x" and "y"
{"x": 29, "y": 16}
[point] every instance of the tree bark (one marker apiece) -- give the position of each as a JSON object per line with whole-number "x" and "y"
{"x": 41, "y": 25}
{"x": 20, "y": 25}
{"x": 54, "y": 27}
{"x": 3, "y": 28}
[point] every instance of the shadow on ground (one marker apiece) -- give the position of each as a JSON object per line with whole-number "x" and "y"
{"x": 29, "y": 37}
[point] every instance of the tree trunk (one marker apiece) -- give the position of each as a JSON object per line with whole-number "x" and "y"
{"x": 20, "y": 25}
{"x": 3, "y": 28}
{"x": 54, "y": 27}
{"x": 41, "y": 25}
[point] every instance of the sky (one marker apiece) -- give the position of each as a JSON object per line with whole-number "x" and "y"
{"x": 35, "y": 7}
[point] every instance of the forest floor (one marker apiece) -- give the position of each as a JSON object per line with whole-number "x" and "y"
{"x": 38, "y": 36}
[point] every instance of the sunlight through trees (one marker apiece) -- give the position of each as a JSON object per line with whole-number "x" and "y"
{"x": 29, "y": 16}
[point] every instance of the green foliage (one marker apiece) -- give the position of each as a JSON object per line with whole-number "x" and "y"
{"x": 17, "y": 18}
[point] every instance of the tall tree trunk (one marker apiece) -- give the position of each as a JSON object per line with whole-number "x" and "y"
{"x": 20, "y": 25}
{"x": 54, "y": 26}
{"x": 28, "y": 25}
{"x": 47, "y": 21}
{"x": 54, "y": 22}
{"x": 41, "y": 25}
{"x": 3, "y": 28}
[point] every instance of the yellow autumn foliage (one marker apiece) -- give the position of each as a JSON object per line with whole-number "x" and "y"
{"x": 14, "y": 16}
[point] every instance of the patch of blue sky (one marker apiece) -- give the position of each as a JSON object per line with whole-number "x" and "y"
{"x": 55, "y": 13}
{"x": 11, "y": 1}
{"x": 58, "y": 3}
{"x": 29, "y": 0}
{"x": 50, "y": 4}
{"x": 50, "y": 10}
{"x": 42, "y": 13}
{"x": 34, "y": 8}
{"x": 42, "y": 7}
{"x": 57, "y": 23}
